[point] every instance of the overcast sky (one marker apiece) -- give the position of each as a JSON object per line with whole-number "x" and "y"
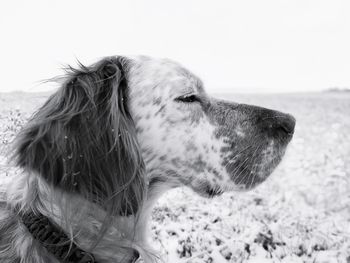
{"x": 234, "y": 46}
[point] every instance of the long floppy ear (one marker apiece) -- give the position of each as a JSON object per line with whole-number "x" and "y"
{"x": 83, "y": 139}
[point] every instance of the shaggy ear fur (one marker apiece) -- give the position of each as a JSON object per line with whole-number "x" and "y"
{"x": 83, "y": 139}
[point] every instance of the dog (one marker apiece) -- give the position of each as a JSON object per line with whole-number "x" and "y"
{"x": 109, "y": 142}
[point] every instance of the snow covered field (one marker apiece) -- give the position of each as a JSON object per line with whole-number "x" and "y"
{"x": 300, "y": 214}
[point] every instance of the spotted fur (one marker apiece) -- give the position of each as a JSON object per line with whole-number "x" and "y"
{"x": 117, "y": 135}
{"x": 207, "y": 144}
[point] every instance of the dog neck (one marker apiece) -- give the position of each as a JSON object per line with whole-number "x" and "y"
{"x": 82, "y": 221}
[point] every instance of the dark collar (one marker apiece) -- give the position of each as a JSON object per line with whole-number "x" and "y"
{"x": 54, "y": 240}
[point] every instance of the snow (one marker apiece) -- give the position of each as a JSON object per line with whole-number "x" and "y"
{"x": 300, "y": 214}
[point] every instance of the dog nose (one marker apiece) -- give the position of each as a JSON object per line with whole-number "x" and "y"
{"x": 288, "y": 124}
{"x": 281, "y": 125}
{"x": 268, "y": 122}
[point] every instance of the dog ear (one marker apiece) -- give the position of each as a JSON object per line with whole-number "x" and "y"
{"x": 83, "y": 139}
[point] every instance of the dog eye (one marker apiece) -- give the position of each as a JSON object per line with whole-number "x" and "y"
{"x": 187, "y": 99}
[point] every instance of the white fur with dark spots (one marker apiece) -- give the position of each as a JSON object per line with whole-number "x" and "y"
{"x": 210, "y": 144}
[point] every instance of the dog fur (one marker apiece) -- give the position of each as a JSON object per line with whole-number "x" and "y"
{"x": 114, "y": 137}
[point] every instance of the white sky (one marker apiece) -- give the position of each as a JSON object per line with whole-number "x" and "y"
{"x": 244, "y": 46}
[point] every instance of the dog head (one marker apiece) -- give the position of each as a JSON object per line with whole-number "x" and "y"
{"x": 123, "y": 122}
{"x": 188, "y": 138}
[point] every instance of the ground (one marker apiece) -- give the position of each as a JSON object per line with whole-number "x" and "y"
{"x": 300, "y": 214}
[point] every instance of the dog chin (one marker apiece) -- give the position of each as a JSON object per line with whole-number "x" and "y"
{"x": 211, "y": 192}
{"x": 208, "y": 191}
